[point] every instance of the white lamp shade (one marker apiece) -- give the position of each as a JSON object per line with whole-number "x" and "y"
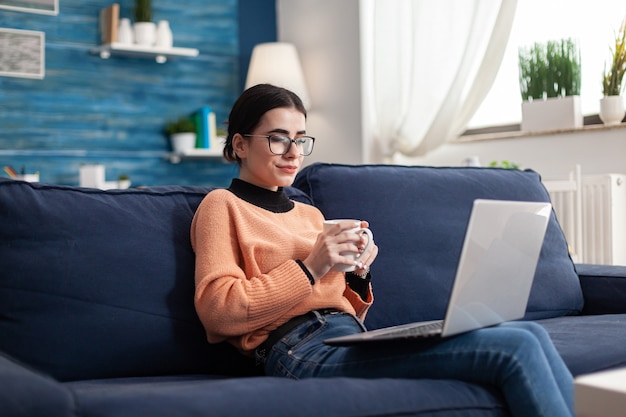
{"x": 277, "y": 63}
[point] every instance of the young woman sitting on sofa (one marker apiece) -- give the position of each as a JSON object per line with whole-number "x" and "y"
{"x": 267, "y": 270}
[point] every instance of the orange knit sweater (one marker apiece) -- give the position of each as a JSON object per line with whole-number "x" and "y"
{"x": 247, "y": 280}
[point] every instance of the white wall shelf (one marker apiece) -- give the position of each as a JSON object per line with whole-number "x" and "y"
{"x": 207, "y": 154}
{"x": 161, "y": 55}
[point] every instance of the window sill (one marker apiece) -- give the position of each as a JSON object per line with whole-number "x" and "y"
{"x": 512, "y": 134}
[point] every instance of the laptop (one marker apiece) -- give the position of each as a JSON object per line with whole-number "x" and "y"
{"x": 494, "y": 275}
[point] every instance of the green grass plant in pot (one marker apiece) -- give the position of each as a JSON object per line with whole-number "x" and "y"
{"x": 182, "y": 134}
{"x": 144, "y": 28}
{"x": 612, "y": 104}
{"x": 550, "y": 70}
{"x": 550, "y": 80}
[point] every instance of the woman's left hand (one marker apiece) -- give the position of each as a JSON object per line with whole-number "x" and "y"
{"x": 367, "y": 258}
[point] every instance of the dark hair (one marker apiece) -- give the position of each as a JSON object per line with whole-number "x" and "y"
{"x": 251, "y": 105}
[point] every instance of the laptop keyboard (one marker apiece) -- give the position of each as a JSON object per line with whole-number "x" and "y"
{"x": 423, "y": 330}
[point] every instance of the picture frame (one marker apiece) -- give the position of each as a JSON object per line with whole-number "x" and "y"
{"x": 22, "y": 53}
{"x": 50, "y": 7}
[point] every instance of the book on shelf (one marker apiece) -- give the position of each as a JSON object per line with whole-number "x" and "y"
{"x": 109, "y": 21}
{"x": 205, "y": 125}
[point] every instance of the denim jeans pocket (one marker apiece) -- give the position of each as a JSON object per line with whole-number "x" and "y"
{"x": 303, "y": 350}
{"x": 301, "y": 336}
{"x": 285, "y": 358}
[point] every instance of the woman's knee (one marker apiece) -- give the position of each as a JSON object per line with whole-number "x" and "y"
{"x": 529, "y": 326}
{"x": 512, "y": 340}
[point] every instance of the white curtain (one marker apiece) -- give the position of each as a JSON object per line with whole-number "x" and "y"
{"x": 427, "y": 66}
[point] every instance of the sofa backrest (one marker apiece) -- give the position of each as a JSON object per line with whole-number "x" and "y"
{"x": 100, "y": 284}
{"x": 418, "y": 216}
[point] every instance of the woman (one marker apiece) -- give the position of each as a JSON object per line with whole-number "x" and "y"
{"x": 268, "y": 280}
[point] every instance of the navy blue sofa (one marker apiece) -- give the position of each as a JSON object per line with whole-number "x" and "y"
{"x": 97, "y": 318}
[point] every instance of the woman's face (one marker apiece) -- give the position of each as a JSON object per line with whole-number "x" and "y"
{"x": 261, "y": 167}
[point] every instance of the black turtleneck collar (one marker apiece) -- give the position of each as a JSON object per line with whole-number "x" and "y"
{"x": 274, "y": 201}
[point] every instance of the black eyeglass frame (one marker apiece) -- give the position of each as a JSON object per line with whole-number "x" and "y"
{"x": 291, "y": 142}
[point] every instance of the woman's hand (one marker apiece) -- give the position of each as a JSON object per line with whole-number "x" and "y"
{"x": 332, "y": 245}
{"x": 367, "y": 258}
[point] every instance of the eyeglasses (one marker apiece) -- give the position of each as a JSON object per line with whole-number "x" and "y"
{"x": 280, "y": 144}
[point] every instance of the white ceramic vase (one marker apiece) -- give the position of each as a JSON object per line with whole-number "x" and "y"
{"x": 612, "y": 110}
{"x": 182, "y": 142}
{"x": 125, "y": 32}
{"x": 164, "y": 37}
{"x": 145, "y": 33}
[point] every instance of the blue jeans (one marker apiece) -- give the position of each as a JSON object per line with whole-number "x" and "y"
{"x": 517, "y": 357}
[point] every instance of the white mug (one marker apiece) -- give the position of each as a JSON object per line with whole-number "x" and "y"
{"x": 359, "y": 230}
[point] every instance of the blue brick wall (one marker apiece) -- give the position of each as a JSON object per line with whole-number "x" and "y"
{"x": 90, "y": 110}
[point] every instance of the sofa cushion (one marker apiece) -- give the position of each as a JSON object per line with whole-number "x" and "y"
{"x": 418, "y": 216}
{"x": 99, "y": 283}
{"x": 589, "y": 344}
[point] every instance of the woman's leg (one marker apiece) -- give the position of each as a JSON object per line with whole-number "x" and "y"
{"x": 560, "y": 371}
{"x": 519, "y": 359}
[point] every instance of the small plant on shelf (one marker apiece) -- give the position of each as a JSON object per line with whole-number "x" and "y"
{"x": 611, "y": 104}
{"x": 613, "y": 78}
{"x": 144, "y": 28}
{"x": 182, "y": 134}
{"x": 181, "y": 125}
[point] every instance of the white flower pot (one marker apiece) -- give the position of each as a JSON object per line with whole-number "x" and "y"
{"x": 123, "y": 184}
{"x": 145, "y": 33}
{"x": 182, "y": 142}
{"x": 560, "y": 113}
{"x": 612, "y": 110}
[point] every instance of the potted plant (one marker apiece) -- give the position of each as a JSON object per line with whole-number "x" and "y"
{"x": 123, "y": 181}
{"x": 182, "y": 134}
{"x": 144, "y": 28}
{"x": 504, "y": 164}
{"x": 549, "y": 77}
{"x": 612, "y": 104}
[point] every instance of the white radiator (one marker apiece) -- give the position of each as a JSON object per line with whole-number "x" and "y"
{"x": 604, "y": 219}
{"x": 592, "y": 213}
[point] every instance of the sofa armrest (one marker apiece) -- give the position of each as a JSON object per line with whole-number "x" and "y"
{"x": 604, "y": 288}
{"x": 26, "y": 392}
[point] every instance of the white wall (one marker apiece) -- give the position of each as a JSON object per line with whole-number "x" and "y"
{"x": 326, "y": 34}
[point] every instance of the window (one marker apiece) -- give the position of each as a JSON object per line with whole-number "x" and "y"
{"x": 592, "y": 24}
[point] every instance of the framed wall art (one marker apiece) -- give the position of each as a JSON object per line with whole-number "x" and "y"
{"x": 22, "y": 53}
{"x": 32, "y": 6}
